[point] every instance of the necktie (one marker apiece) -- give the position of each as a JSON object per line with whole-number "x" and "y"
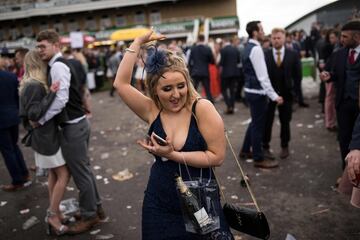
{"x": 352, "y": 56}
{"x": 278, "y": 58}
{"x": 48, "y": 75}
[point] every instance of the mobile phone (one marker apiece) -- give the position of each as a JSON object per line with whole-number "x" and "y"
{"x": 160, "y": 140}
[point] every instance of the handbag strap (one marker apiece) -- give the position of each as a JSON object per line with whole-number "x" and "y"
{"x": 242, "y": 174}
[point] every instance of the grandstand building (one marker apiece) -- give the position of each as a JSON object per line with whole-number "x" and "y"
{"x": 330, "y": 15}
{"x": 177, "y": 19}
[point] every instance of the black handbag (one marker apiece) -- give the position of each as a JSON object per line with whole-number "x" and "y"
{"x": 246, "y": 220}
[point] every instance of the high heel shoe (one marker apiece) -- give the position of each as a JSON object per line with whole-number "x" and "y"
{"x": 50, "y": 229}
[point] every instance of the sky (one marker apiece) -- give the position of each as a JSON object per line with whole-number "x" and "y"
{"x": 275, "y": 13}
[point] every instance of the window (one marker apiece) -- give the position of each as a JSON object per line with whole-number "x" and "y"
{"x": 73, "y": 25}
{"x": 155, "y": 17}
{"x": 43, "y": 26}
{"x": 120, "y": 21}
{"x": 105, "y": 22}
{"x": 2, "y": 34}
{"x": 139, "y": 17}
{"x": 27, "y": 30}
{"x": 90, "y": 23}
{"x": 59, "y": 26}
{"x": 13, "y": 32}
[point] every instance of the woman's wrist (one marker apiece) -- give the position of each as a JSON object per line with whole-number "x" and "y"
{"x": 136, "y": 42}
{"x": 175, "y": 156}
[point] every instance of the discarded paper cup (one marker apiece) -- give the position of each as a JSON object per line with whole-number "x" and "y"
{"x": 355, "y": 197}
{"x": 123, "y": 175}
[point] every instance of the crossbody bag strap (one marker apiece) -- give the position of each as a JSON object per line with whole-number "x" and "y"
{"x": 242, "y": 173}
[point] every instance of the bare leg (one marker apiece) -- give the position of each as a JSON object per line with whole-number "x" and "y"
{"x": 63, "y": 176}
{"x": 51, "y": 183}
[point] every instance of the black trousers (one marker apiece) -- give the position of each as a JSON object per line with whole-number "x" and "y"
{"x": 239, "y": 84}
{"x": 285, "y": 114}
{"x": 298, "y": 91}
{"x": 12, "y": 154}
{"x": 228, "y": 91}
{"x": 205, "y": 81}
{"x": 346, "y": 112}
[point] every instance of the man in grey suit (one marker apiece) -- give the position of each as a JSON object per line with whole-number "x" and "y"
{"x": 75, "y": 130}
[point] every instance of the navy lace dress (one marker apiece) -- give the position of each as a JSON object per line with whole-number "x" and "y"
{"x": 161, "y": 213}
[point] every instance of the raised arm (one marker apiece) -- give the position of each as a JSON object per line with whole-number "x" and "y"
{"x": 136, "y": 101}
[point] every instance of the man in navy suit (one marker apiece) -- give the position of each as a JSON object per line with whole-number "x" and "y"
{"x": 230, "y": 58}
{"x": 199, "y": 60}
{"x": 9, "y": 132}
{"x": 353, "y": 157}
{"x": 284, "y": 68}
{"x": 344, "y": 71}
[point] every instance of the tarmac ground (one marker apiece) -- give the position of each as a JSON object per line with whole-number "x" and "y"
{"x": 298, "y": 197}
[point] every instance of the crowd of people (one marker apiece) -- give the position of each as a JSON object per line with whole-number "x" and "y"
{"x": 159, "y": 83}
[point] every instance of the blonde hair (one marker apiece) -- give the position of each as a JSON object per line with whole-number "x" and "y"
{"x": 35, "y": 70}
{"x": 278, "y": 30}
{"x": 174, "y": 63}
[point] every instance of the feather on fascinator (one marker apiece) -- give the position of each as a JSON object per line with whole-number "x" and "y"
{"x": 156, "y": 61}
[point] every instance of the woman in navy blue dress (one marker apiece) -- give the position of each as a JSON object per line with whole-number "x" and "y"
{"x": 192, "y": 128}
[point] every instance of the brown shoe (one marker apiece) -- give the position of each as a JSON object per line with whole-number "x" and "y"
{"x": 83, "y": 225}
{"x": 266, "y": 163}
{"x": 100, "y": 212}
{"x": 268, "y": 154}
{"x": 14, "y": 187}
{"x": 284, "y": 153}
{"x": 229, "y": 111}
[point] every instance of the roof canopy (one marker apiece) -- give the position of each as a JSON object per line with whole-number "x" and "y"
{"x": 128, "y": 34}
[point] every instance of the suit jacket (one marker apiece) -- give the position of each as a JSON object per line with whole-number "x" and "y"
{"x": 230, "y": 58}
{"x": 34, "y": 102}
{"x": 9, "y": 100}
{"x": 337, "y": 68}
{"x": 292, "y": 70}
{"x": 199, "y": 60}
{"x": 355, "y": 139}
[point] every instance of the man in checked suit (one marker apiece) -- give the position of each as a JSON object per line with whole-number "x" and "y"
{"x": 284, "y": 68}
{"x": 344, "y": 70}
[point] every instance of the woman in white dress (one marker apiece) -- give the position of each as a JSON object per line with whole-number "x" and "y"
{"x": 35, "y": 98}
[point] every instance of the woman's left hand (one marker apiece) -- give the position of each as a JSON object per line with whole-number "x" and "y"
{"x": 153, "y": 147}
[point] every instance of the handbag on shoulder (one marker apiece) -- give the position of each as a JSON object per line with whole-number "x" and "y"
{"x": 250, "y": 221}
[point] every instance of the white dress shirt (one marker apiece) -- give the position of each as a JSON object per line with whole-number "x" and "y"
{"x": 357, "y": 51}
{"x": 257, "y": 59}
{"x": 59, "y": 72}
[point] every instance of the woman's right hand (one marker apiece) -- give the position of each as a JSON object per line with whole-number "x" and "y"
{"x": 148, "y": 37}
{"x": 55, "y": 86}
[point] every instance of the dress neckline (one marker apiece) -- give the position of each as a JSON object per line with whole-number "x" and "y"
{"x": 192, "y": 118}
{"x": 188, "y": 132}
